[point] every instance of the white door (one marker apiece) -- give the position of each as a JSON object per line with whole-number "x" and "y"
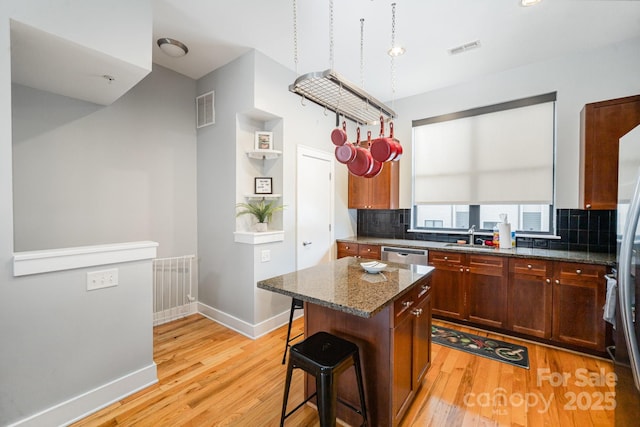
{"x": 315, "y": 207}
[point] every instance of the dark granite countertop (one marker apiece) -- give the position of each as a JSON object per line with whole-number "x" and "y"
{"x": 548, "y": 254}
{"x": 344, "y": 286}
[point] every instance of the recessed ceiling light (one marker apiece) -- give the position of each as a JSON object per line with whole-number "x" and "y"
{"x": 526, "y": 3}
{"x": 172, "y": 47}
{"x": 396, "y": 51}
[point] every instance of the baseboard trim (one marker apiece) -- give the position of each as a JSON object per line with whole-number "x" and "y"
{"x": 242, "y": 327}
{"x": 87, "y": 403}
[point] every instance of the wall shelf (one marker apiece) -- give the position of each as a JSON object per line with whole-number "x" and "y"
{"x": 262, "y": 196}
{"x": 264, "y": 154}
{"x": 257, "y": 238}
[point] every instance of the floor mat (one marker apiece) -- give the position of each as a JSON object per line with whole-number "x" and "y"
{"x": 486, "y": 347}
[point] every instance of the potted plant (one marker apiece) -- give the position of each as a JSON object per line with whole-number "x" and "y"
{"x": 261, "y": 210}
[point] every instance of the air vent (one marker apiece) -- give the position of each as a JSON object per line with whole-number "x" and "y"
{"x": 464, "y": 47}
{"x": 206, "y": 114}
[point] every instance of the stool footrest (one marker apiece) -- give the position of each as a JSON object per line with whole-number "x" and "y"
{"x": 299, "y": 406}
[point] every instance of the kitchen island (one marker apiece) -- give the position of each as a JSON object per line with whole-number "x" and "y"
{"x": 388, "y": 315}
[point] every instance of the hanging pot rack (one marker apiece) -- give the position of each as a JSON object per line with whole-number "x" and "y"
{"x": 333, "y": 92}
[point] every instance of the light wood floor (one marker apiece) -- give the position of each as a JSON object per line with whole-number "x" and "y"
{"x": 212, "y": 376}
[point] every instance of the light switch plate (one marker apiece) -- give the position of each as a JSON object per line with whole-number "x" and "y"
{"x": 102, "y": 279}
{"x": 265, "y": 255}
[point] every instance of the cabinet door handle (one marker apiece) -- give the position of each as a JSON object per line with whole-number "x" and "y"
{"x": 446, "y": 258}
{"x": 461, "y": 270}
{"x": 578, "y": 271}
{"x": 468, "y": 270}
{"x": 368, "y": 250}
{"x": 407, "y": 304}
{"x": 529, "y": 266}
{"x": 306, "y": 243}
{"x": 548, "y": 280}
{"x": 417, "y": 312}
{"x": 557, "y": 282}
{"x": 588, "y": 206}
{"x": 346, "y": 247}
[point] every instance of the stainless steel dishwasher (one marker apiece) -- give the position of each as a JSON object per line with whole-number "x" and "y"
{"x": 405, "y": 255}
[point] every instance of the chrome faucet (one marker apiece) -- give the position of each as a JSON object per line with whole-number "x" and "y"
{"x": 472, "y": 232}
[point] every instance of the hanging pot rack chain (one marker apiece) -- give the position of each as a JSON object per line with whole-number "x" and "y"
{"x": 330, "y": 90}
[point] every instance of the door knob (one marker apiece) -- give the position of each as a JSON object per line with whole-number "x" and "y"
{"x": 307, "y": 243}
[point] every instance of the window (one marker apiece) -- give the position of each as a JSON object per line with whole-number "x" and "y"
{"x": 473, "y": 165}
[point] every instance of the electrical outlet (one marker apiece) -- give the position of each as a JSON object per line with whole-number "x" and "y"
{"x": 102, "y": 279}
{"x": 265, "y": 255}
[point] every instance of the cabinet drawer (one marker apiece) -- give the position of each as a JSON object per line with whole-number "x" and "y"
{"x": 402, "y": 307}
{"x": 575, "y": 271}
{"x": 487, "y": 265}
{"x": 450, "y": 259}
{"x": 369, "y": 251}
{"x": 347, "y": 249}
{"x": 529, "y": 267}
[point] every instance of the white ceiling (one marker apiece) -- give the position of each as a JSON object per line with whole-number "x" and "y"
{"x": 510, "y": 35}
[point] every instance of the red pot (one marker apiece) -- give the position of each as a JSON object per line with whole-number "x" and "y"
{"x": 362, "y": 164}
{"x": 339, "y": 136}
{"x": 384, "y": 149}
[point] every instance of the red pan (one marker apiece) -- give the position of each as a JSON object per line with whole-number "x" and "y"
{"x": 375, "y": 170}
{"x": 397, "y": 143}
{"x": 339, "y": 136}
{"x": 383, "y": 149}
{"x": 362, "y": 164}
{"x": 346, "y": 153}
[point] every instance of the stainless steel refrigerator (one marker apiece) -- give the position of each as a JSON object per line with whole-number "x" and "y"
{"x": 627, "y": 329}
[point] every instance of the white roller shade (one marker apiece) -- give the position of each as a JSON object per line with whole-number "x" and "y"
{"x": 498, "y": 157}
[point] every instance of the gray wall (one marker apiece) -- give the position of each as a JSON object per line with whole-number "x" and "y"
{"x": 252, "y": 89}
{"x": 85, "y": 174}
{"x": 60, "y": 341}
{"x": 589, "y": 76}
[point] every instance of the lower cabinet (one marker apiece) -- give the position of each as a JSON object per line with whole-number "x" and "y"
{"x": 578, "y": 299}
{"x": 470, "y": 287}
{"x": 553, "y": 300}
{"x": 411, "y": 347}
{"x": 530, "y": 297}
{"x": 358, "y": 249}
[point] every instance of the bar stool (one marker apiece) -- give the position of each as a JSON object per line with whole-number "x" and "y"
{"x": 325, "y": 356}
{"x": 296, "y": 304}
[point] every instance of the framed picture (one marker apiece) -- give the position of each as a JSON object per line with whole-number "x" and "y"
{"x": 263, "y": 185}
{"x": 264, "y": 140}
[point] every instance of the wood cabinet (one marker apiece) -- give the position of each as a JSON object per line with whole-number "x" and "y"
{"x": 395, "y": 352}
{"x": 578, "y": 300}
{"x": 602, "y": 125}
{"x": 557, "y": 301}
{"x": 360, "y": 250}
{"x": 380, "y": 192}
{"x": 448, "y": 292}
{"x": 411, "y": 348}
{"x": 529, "y": 297}
{"x": 470, "y": 287}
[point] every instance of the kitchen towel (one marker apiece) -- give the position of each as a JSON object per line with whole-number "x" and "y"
{"x": 609, "y": 314}
{"x": 504, "y": 230}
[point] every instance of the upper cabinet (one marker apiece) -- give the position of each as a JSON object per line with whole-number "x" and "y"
{"x": 380, "y": 192}
{"x": 602, "y": 125}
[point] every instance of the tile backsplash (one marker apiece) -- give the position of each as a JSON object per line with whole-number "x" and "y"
{"x": 579, "y": 230}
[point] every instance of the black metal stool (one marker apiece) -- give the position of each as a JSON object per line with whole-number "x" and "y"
{"x": 296, "y": 304}
{"x": 325, "y": 356}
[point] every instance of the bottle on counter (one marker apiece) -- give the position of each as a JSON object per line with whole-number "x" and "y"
{"x": 496, "y": 236}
